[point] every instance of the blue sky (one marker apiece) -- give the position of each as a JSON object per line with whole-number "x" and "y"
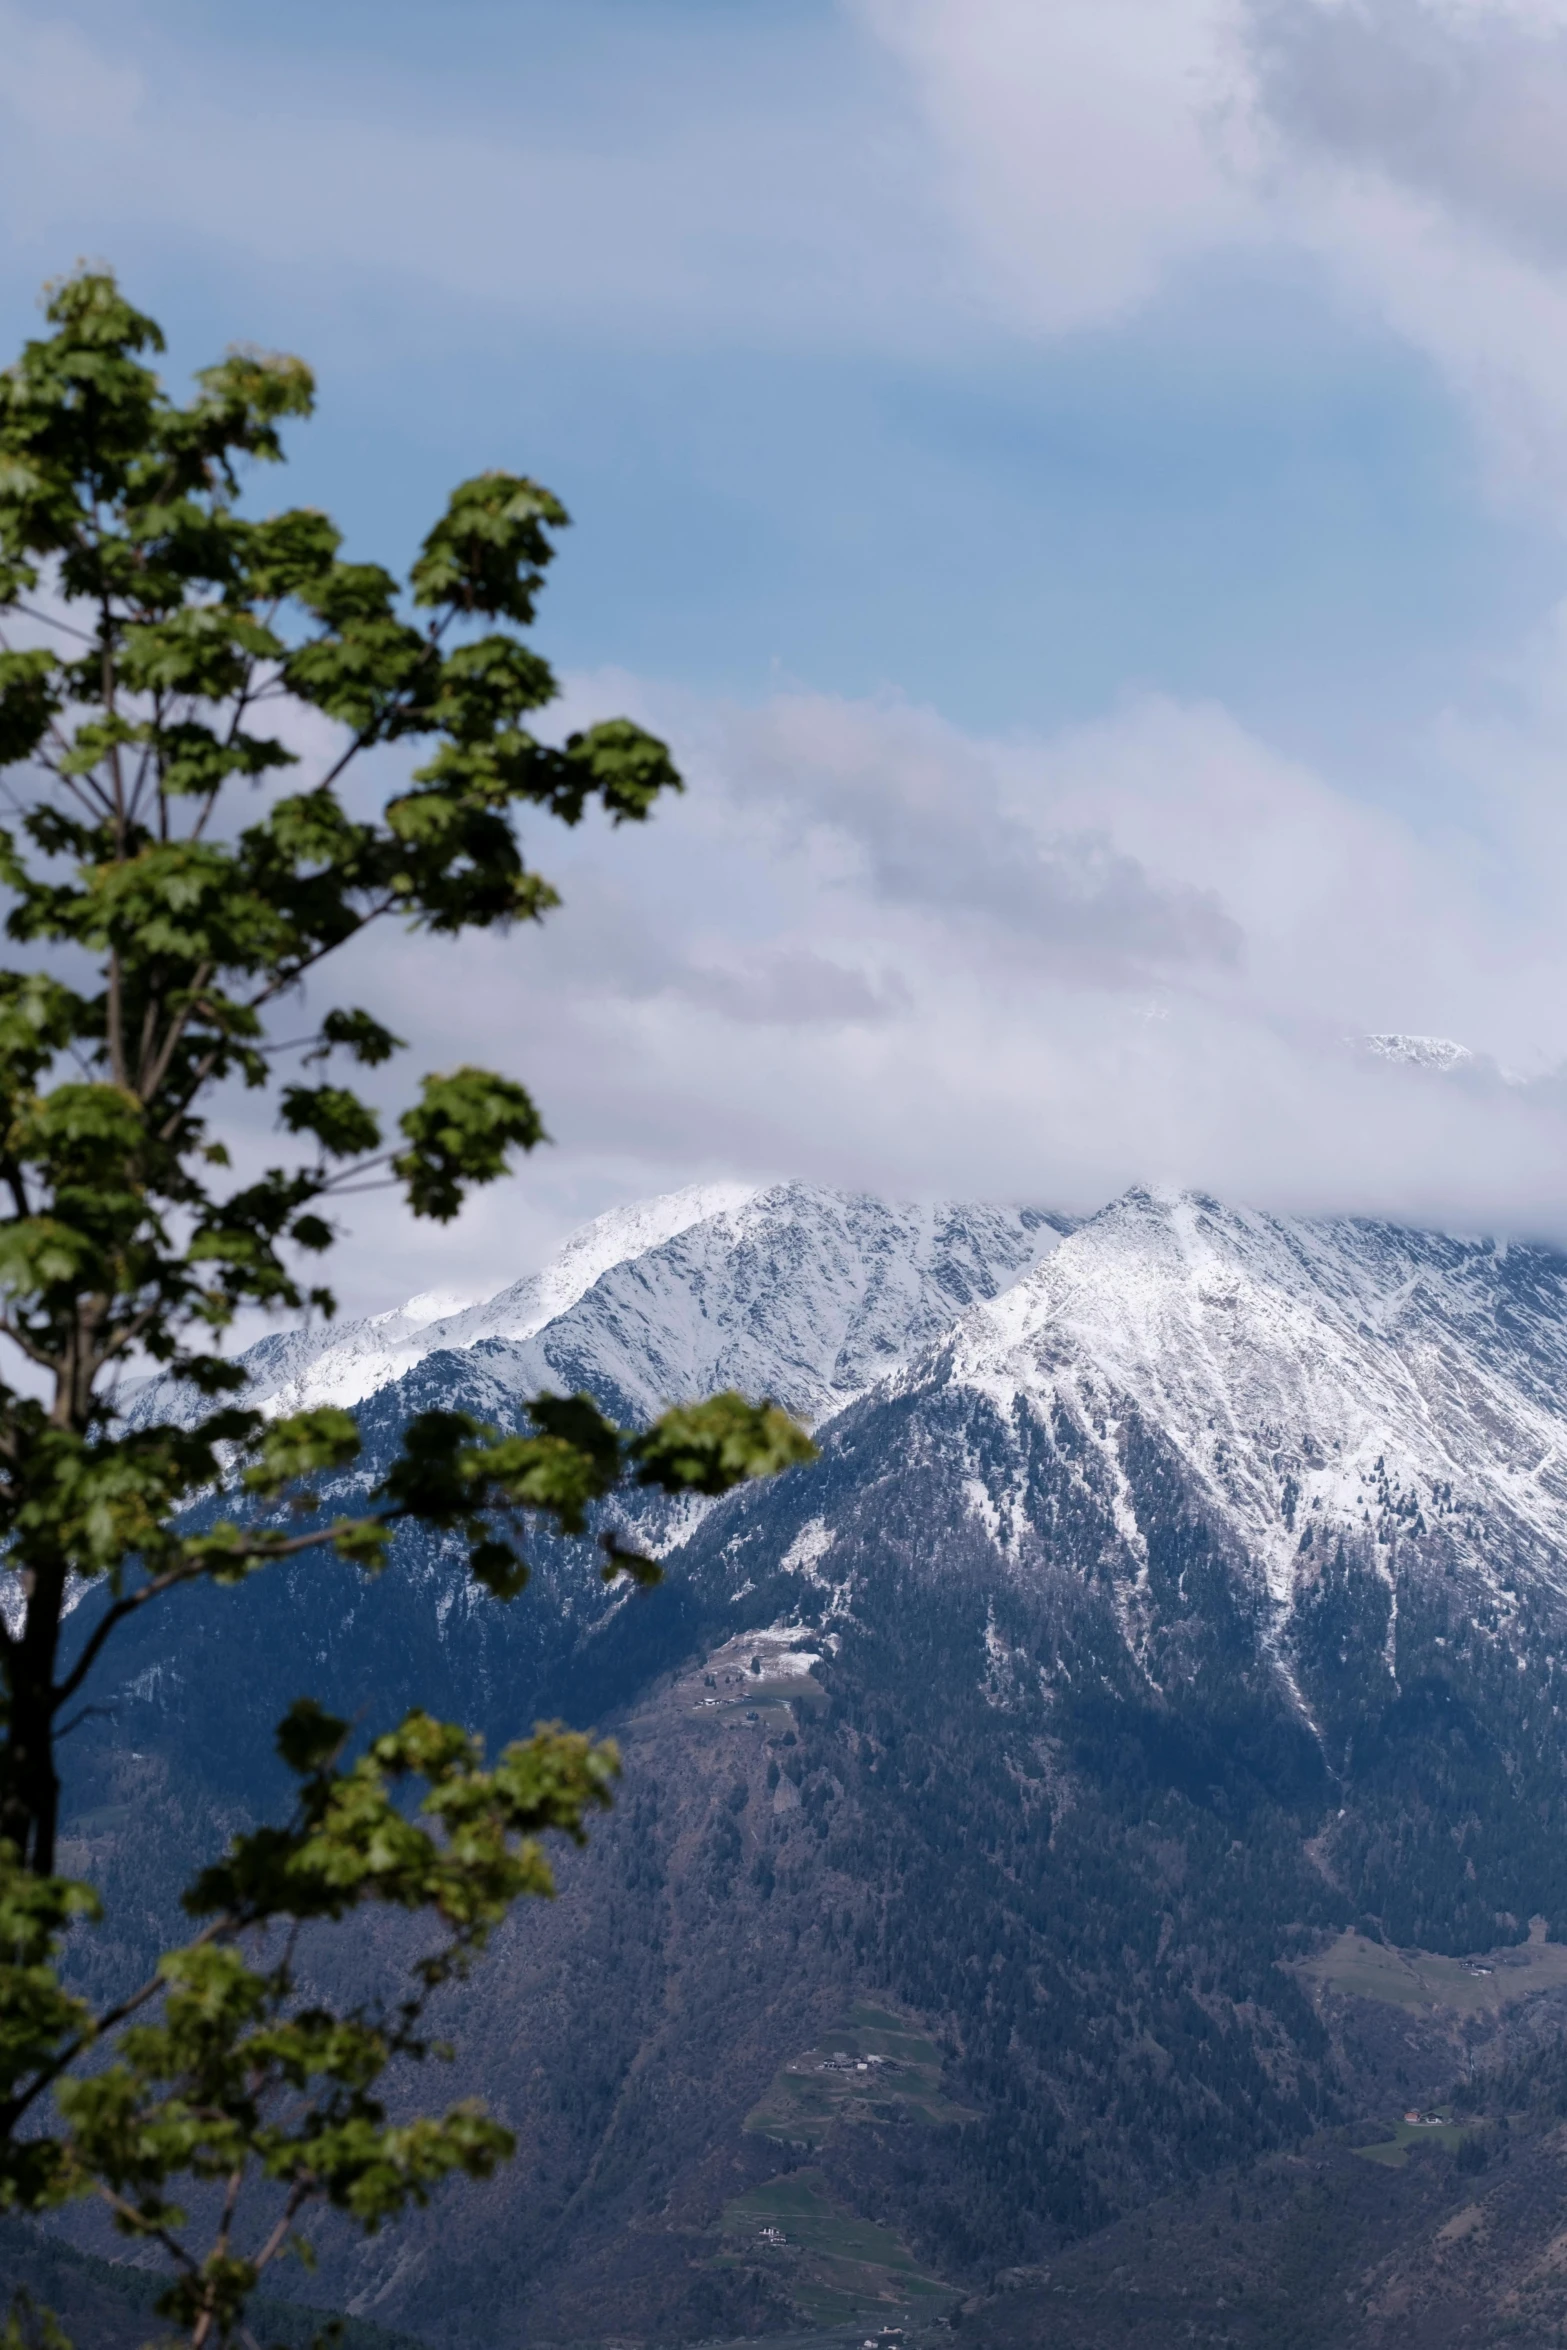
{"x": 1130, "y": 433}
{"x": 1243, "y": 486}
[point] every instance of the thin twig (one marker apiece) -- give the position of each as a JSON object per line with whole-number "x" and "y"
{"x": 279, "y": 2236}
{"x": 142, "y": 2226}
{"x": 50, "y": 620}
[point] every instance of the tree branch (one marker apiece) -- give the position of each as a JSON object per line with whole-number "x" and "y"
{"x": 50, "y": 620}
{"x": 261, "y": 1552}
{"x": 147, "y": 2227}
{"x": 15, "y": 2107}
{"x": 279, "y": 2237}
{"x": 150, "y": 1080}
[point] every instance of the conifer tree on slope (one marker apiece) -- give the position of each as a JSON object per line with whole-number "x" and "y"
{"x": 174, "y": 878}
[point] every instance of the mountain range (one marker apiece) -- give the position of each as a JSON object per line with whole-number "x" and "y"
{"x": 1026, "y": 1805}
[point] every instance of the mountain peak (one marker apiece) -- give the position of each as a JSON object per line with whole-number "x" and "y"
{"x": 1417, "y": 1052}
{"x": 1305, "y": 1369}
{"x": 594, "y": 1249}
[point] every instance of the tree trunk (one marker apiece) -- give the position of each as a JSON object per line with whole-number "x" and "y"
{"x": 29, "y": 1782}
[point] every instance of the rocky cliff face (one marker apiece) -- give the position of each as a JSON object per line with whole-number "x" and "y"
{"x": 1172, "y": 1594}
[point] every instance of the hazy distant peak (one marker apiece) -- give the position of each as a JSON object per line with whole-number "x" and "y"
{"x": 1417, "y": 1052}
{"x": 431, "y": 1305}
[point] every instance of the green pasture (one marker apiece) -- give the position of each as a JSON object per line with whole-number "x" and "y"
{"x": 1393, "y": 2152}
{"x": 1356, "y": 1968}
{"x": 808, "y": 2096}
{"x": 839, "y": 2267}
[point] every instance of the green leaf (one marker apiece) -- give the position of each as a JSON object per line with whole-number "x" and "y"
{"x": 713, "y": 1446}
{"x": 622, "y": 766}
{"x": 308, "y": 1739}
{"x": 618, "y": 1561}
{"x": 302, "y": 1446}
{"x": 485, "y": 687}
{"x": 359, "y": 1034}
{"x": 344, "y": 1126}
{"x": 462, "y": 1134}
{"x": 29, "y": 698}
{"x": 487, "y": 555}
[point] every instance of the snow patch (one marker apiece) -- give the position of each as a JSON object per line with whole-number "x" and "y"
{"x": 777, "y": 1648}
{"x": 811, "y": 1544}
{"x": 431, "y": 1305}
{"x": 981, "y": 1505}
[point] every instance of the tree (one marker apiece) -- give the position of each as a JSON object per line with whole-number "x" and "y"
{"x": 172, "y": 882}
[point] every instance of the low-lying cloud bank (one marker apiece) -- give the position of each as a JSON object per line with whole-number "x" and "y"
{"x": 870, "y": 949}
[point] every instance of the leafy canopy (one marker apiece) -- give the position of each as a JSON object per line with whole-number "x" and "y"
{"x": 175, "y": 871}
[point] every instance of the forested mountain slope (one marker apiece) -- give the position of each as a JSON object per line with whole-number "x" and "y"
{"x": 1168, "y": 1598}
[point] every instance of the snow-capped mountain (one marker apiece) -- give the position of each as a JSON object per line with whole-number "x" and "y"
{"x": 1216, "y": 1430}
{"x": 1305, "y": 1379}
{"x": 787, "y": 1290}
{"x": 1173, "y": 1591}
{"x": 344, "y": 1362}
{"x": 1311, "y": 1375}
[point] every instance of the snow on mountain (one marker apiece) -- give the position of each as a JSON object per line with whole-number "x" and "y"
{"x": 613, "y": 1239}
{"x": 1315, "y": 1376}
{"x": 1418, "y": 1052}
{"x": 792, "y": 1291}
{"x": 344, "y": 1362}
{"x": 803, "y": 1294}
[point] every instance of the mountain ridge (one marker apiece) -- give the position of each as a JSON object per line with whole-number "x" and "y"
{"x": 671, "y": 1296}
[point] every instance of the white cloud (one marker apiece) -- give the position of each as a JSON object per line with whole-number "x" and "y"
{"x": 1416, "y": 148}
{"x": 750, "y": 988}
{"x": 1468, "y": 104}
{"x": 1011, "y": 169}
{"x": 1081, "y": 140}
{"x": 1420, "y": 149}
{"x": 789, "y": 986}
{"x": 870, "y": 947}
{"x": 927, "y": 824}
